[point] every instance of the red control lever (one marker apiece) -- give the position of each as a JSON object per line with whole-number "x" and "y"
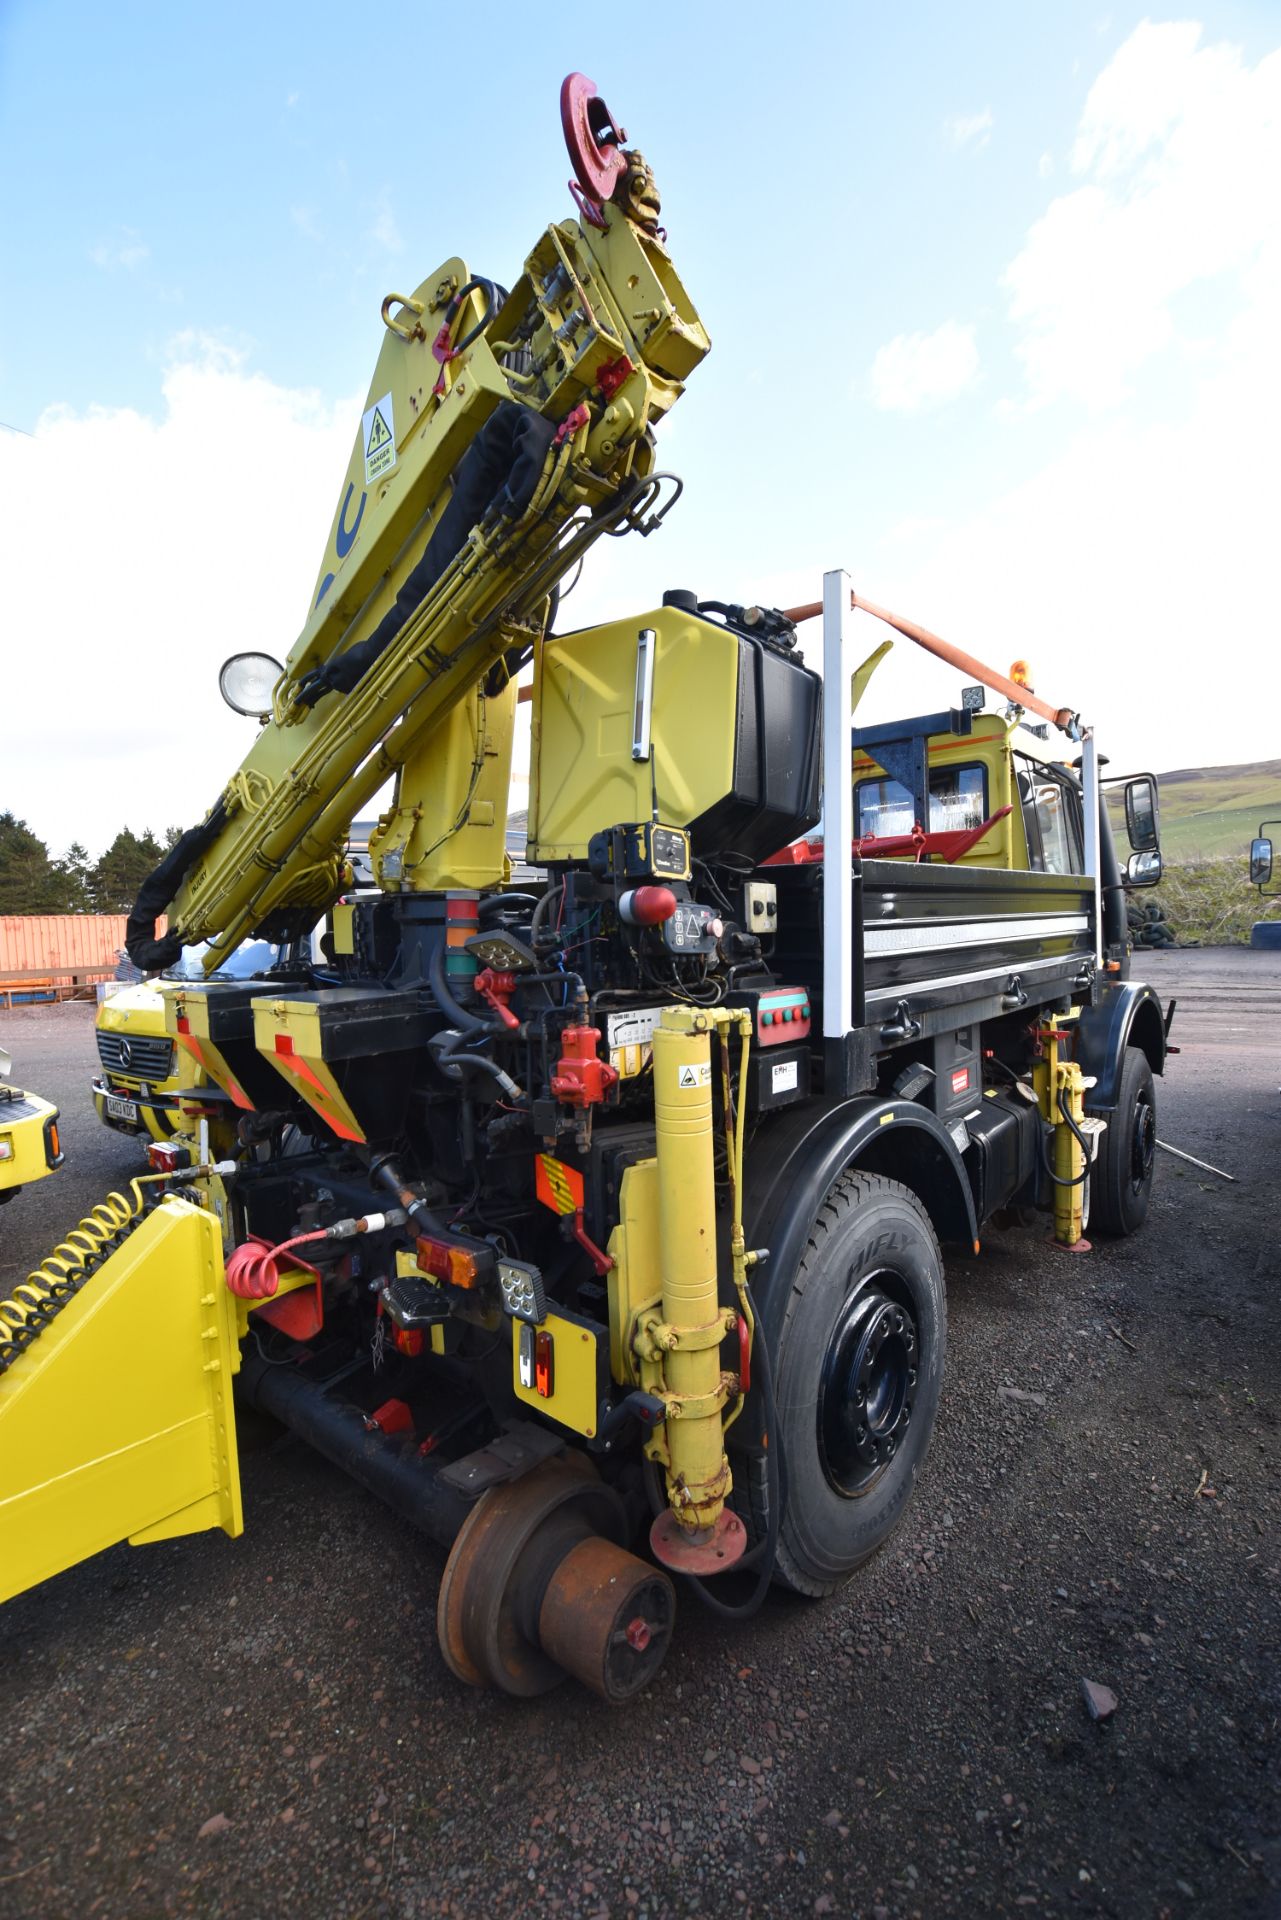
{"x": 496, "y": 989}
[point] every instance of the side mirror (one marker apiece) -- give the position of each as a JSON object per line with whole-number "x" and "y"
{"x": 1260, "y": 862}
{"x": 247, "y": 681}
{"x": 1142, "y": 823}
{"x": 1143, "y": 869}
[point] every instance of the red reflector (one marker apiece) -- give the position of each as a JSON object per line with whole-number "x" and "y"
{"x": 960, "y": 1079}
{"x": 392, "y": 1417}
{"x": 543, "y": 1372}
{"x": 163, "y": 1157}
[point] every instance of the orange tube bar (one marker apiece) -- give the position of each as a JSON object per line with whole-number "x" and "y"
{"x": 954, "y": 656}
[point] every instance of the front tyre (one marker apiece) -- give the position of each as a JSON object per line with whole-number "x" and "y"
{"x": 1121, "y": 1183}
{"x": 858, "y": 1370}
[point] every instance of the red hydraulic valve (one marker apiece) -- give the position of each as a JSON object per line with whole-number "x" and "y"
{"x": 497, "y": 989}
{"x": 581, "y": 1078}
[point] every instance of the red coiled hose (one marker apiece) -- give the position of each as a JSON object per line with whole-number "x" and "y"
{"x": 253, "y": 1271}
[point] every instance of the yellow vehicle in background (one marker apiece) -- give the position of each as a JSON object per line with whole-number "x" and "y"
{"x": 137, "y": 1090}
{"x": 29, "y": 1144}
{"x": 144, "y": 1074}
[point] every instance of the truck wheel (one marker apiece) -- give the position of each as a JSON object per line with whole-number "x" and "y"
{"x": 1121, "y": 1184}
{"x": 858, "y": 1369}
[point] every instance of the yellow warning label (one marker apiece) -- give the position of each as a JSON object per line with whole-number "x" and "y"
{"x": 378, "y": 437}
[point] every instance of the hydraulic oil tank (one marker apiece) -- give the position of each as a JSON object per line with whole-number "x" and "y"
{"x": 675, "y": 717}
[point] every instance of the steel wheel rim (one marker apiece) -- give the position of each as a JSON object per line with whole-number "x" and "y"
{"x": 1142, "y": 1144}
{"x": 867, "y": 1386}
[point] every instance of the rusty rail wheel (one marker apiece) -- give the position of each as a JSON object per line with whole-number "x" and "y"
{"x": 537, "y": 1586}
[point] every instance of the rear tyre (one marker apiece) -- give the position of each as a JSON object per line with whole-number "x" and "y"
{"x": 1121, "y": 1183}
{"x": 858, "y": 1370}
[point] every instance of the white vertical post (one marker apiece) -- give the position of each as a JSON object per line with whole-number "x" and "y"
{"x": 1093, "y": 852}
{"x": 838, "y": 811}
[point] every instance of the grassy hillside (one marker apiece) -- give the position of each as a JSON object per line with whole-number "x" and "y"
{"x": 1209, "y": 812}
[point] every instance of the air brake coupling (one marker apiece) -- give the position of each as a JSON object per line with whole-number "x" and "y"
{"x": 696, "y": 1533}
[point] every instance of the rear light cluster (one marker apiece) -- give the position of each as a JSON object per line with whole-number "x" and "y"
{"x": 458, "y": 1263}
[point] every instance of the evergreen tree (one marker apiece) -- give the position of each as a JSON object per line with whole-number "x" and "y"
{"x": 73, "y": 879}
{"x": 115, "y": 878}
{"x": 29, "y": 882}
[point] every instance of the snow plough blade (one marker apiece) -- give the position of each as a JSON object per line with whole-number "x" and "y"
{"x": 116, "y": 1417}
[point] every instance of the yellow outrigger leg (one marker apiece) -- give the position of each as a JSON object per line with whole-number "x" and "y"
{"x": 1061, "y": 1088}
{"x": 116, "y": 1363}
{"x": 696, "y": 1533}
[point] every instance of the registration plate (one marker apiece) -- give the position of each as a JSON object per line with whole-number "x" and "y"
{"x": 119, "y": 1109}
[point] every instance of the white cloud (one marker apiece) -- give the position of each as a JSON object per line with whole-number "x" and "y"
{"x": 969, "y": 129}
{"x": 144, "y": 549}
{"x": 307, "y": 222}
{"x": 1179, "y": 152}
{"x": 126, "y": 248}
{"x": 1133, "y": 564}
{"x": 919, "y": 370}
{"x": 384, "y": 231}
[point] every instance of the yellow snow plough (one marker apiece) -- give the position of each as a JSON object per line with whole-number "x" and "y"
{"x": 593, "y": 1221}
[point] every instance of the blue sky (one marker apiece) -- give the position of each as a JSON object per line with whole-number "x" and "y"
{"x": 968, "y": 315}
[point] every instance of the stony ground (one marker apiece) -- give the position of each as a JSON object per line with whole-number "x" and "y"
{"x": 265, "y": 1726}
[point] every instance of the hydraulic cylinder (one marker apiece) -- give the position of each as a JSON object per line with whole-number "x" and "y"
{"x": 693, "y": 1324}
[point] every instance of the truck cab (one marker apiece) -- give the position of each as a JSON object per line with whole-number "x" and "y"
{"x": 143, "y": 1072}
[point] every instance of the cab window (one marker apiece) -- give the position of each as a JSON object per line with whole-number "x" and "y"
{"x": 1051, "y": 819}
{"x": 958, "y": 799}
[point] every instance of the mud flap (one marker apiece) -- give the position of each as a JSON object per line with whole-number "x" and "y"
{"x": 117, "y": 1422}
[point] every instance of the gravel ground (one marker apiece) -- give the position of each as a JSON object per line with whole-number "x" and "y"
{"x": 217, "y": 1728}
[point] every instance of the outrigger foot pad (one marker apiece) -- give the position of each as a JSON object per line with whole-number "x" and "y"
{"x": 713, "y": 1551}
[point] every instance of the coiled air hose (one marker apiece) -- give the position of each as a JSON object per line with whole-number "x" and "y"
{"x": 48, "y": 1287}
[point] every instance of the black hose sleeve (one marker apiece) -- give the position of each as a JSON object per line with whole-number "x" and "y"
{"x": 453, "y": 1061}
{"x": 1081, "y": 1178}
{"x": 469, "y": 1023}
{"x": 495, "y": 903}
{"x": 159, "y": 888}
{"x": 499, "y": 471}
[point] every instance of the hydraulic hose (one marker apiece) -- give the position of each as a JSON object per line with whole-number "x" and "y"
{"x": 466, "y": 1022}
{"x": 451, "y": 1064}
{"x": 765, "y": 1553}
{"x": 495, "y": 903}
{"x": 1078, "y": 1180}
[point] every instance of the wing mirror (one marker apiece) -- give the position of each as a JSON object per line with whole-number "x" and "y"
{"x": 1144, "y": 869}
{"x": 1260, "y": 862}
{"x": 1142, "y": 821}
{"x": 247, "y": 681}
